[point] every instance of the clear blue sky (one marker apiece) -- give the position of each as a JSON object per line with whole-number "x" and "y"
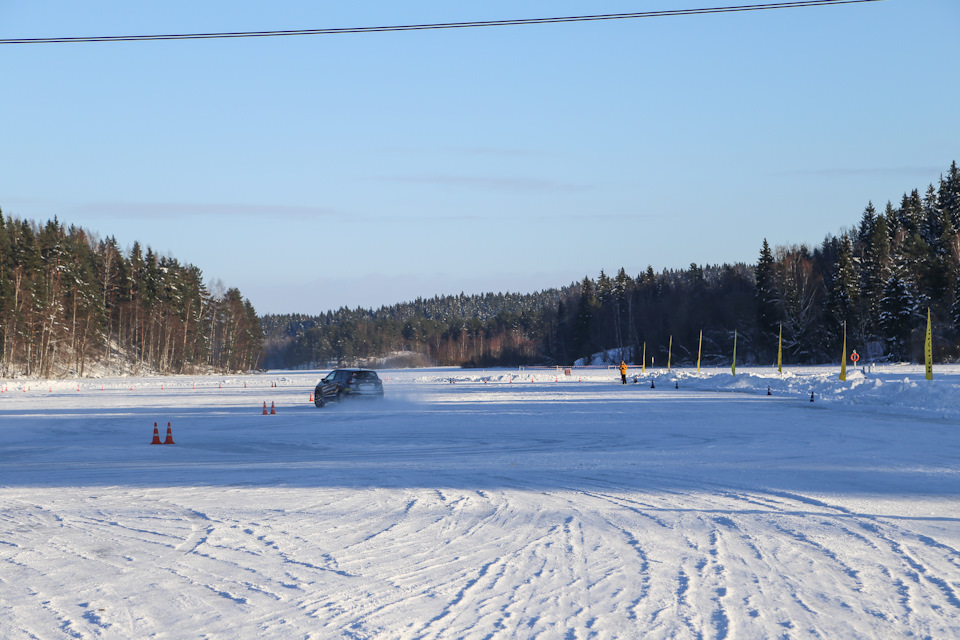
{"x": 321, "y": 171}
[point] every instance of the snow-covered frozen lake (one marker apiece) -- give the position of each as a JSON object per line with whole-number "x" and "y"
{"x": 507, "y": 504}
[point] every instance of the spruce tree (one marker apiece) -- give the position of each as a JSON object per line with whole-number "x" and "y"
{"x": 768, "y": 297}
{"x": 583, "y": 325}
{"x": 898, "y": 311}
{"x": 911, "y": 212}
{"x": 868, "y": 221}
{"x": 876, "y": 271}
{"x": 948, "y": 260}
{"x": 932, "y": 226}
{"x": 949, "y": 194}
{"x": 6, "y": 292}
{"x": 955, "y": 307}
{"x": 845, "y": 292}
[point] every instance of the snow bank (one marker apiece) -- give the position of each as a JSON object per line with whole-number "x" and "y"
{"x": 888, "y": 388}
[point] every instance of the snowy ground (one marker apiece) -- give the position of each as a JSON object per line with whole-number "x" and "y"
{"x": 531, "y": 505}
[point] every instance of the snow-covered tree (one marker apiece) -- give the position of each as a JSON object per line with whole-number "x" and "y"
{"x": 898, "y": 312}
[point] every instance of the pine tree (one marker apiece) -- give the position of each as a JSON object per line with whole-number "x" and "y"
{"x": 949, "y": 195}
{"x": 898, "y": 311}
{"x": 6, "y": 293}
{"x": 932, "y": 227}
{"x": 583, "y": 326}
{"x": 845, "y": 292}
{"x": 910, "y": 213}
{"x": 867, "y": 223}
{"x": 955, "y": 307}
{"x": 768, "y": 299}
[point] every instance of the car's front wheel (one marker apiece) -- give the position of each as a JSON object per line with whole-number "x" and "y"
{"x": 318, "y": 400}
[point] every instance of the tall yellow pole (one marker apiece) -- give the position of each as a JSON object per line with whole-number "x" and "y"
{"x": 843, "y": 362}
{"x": 643, "y": 362}
{"x": 669, "y": 353}
{"x": 733, "y": 367}
{"x": 699, "y": 349}
{"x": 928, "y": 349}
{"x": 780, "y": 351}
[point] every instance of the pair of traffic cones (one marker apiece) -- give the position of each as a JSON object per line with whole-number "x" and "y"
{"x": 156, "y": 435}
{"x": 273, "y": 409}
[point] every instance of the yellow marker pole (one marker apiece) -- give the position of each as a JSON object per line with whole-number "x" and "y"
{"x": 843, "y": 362}
{"x": 643, "y": 362}
{"x": 699, "y": 349}
{"x": 928, "y": 349}
{"x": 669, "y": 353}
{"x": 780, "y": 351}
{"x": 733, "y": 367}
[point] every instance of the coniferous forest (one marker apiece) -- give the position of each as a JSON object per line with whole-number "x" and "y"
{"x": 71, "y": 304}
{"x": 877, "y": 279}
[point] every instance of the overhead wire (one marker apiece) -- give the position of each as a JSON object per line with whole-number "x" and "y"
{"x": 440, "y": 25}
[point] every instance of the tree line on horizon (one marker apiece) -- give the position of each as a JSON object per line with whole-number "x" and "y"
{"x": 71, "y": 304}
{"x": 875, "y": 281}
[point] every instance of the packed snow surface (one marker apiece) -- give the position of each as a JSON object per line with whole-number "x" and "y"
{"x": 484, "y": 504}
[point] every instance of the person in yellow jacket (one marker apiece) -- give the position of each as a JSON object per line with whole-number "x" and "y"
{"x": 623, "y": 372}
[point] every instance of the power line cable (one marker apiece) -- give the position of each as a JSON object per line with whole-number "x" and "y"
{"x": 441, "y": 25}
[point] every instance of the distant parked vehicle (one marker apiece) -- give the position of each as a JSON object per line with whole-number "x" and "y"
{"x": 347, "y": 383}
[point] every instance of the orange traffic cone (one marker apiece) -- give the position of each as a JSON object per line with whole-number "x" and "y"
{"x": 311, "y": 396}
{"x": 273, "y": 410}
{"x": 264, "y": 408}
{"x": 156, "y": 435}
{"x": 169, "y": 439}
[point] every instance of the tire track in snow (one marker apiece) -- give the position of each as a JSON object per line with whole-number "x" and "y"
{"x": 199, "y": 533}
{"x": 453, "y": 606}
{"x": 941, "y": 584}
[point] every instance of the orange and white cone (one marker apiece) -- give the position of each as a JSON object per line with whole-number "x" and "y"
{"x": 264, "y": 408}
{"x": 273, "y": 409}
{"x": 156, "y": 435}
{"x": 169, "y": 439}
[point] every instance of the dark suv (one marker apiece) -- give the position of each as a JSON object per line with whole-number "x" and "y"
{"x": 347, "y": 383}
